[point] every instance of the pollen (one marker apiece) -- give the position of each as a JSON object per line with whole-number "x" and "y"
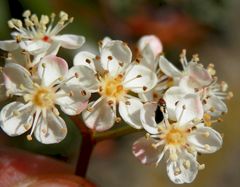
{"x": 44, "y": 97}
{"x": 112, "y": 87}
{"x": 176, "y": 136}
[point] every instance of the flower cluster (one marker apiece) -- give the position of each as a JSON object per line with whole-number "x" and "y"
{"x": 135, "y": 90}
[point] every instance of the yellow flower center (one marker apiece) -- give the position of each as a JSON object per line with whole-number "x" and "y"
{"x": 176, "y": 136}
{"x": 44, "y": 97}
{"x": 112, "y": 87}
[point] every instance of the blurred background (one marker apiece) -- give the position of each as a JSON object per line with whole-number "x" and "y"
{"x": 210, "y": 28}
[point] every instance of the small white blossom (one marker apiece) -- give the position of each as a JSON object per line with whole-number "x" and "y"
{"x": 40, "y": 36}
{"x": 38, "y": 112}
{"x": 115, "y": 78}
{"x": 193, "y": 75}
{"x": 179, "y": 141}
{"x": 150, "y": 49}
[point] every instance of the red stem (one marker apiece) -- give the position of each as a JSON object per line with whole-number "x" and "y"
{"x": 86, "y": 148}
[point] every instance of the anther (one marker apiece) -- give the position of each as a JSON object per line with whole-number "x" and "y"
{"x": 88, "y": 61}
{"x": 177, "y": 171}
{"x": 128, "y": 103}
{"x": 173, "y": 156}
{"x": 109, "y": 57}
{"x": 144, "y": 88}
{"x": 76, "y": 75}
{"x": 29, "y": 137}
{"x": 187, "y": 164}
{"x": 201, "y": 166}
{"x": 139, "y": 76}
{"x": 97, "y": 58}
{"x": 110, "y": 102}
{"x": 89, "y": 109}
{"x": 16, "y": 113}
{"x": 43, "y": 65}
{"x": 118, "y": 120}
{"x": 26, "y": 13}
{"x": 207, "y": 147}
{"x": 83, "y": 92}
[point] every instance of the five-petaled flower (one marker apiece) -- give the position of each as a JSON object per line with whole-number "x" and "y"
{"x": 117, "y": 80}
{"x": 38, "y": 110}
{"x": 40, "y": 36}
{"x": 179, "y": 141}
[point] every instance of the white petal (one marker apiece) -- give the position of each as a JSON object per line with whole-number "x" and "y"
{"x": 14, "y": 76}
{"x": 187, "y": 175}
{"x": 86, "y": 77}
{"x": 153, "y": 42}
{"x": 199, "y": 74}
{"x": 101, "y": 117}
{"x": 139, "y": 78}
{"x": 130, "y": 112}
{"x": 189, "y": 108}
{"x": 17, "y": 57}
{"x": 148, "y": 118}
{"x": 114, "y": 56}
{"x": 8, "y": 45}
{"x": 189, "y": 84}
{"x": 53, "y": 49}
{"x": 145, "y": 152}
{"x": 215, "y": 106}
{"x": 85, "y": 58}
{"x": 70, "y": 41}
{"x": 35, "y": 47}
{"x": 51, "y": 68}
{"x": 147, "y": 58}
{"x": 205, "y": 139}
{"x": 50, "y": 130}
{"x": 105, "y": 41}
{"x": 171, "y": 97}
{"x": 168, "y": 68}
{"x": 74, "y": 104}
{"x": 13, "y": 125}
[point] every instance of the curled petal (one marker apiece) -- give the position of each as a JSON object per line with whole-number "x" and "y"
{"x": 171, "y": 97}
{"x": 189, "y": 108}
{"x": 184, "y": 170}
{"x": 143, "y": 150}
{"x": 50, "y": 129}
{"x": 100, "y": 118}
{"x": 70, "y": 41}
{"x": 75, "y": 99}
{"x": 114, "y": 56}
{"x": 130, "y": 112}
{"x": 51, "y": 68}
{"x": 215, "y": 106}
{"x": 199, "y": 74}
{"x": 152, "y": 42}
{"x": 85, "y": 77}
{"x": 16, "y": 118}
{"x": 139, "y": 79}
{"x": 205, "y": 140}
{"x": 168, "y": 68}
{"x": 148, "y": 118}
{"x": 8, "y": 45}
{"x": 15, "y": 76}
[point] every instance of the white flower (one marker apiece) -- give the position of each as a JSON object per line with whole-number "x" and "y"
{"x": 150, "y": 48}
{"x": 38, "y": 111}
{"x": 179, "y": 141}
{"x": 40, "y": 36}
{"x": 116, "y": 79}
{"x": 193, "y": 75}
